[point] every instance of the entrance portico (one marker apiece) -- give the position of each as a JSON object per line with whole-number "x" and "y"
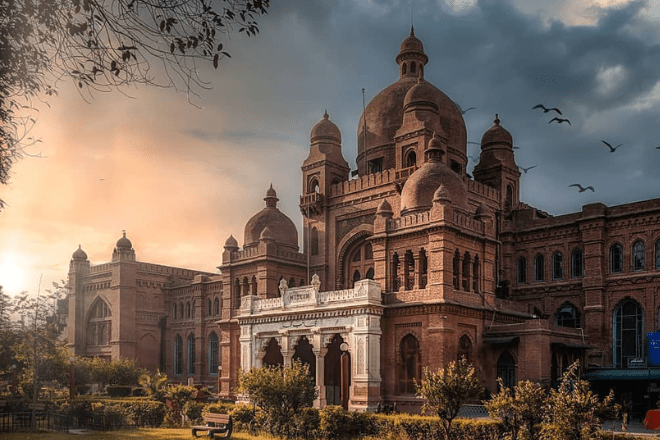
{"x": 313, "y": 326}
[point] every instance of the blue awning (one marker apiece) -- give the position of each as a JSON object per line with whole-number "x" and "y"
{"x": 630, "y": 374}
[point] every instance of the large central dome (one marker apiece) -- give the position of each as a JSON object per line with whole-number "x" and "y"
{"x": 384, "y": 114}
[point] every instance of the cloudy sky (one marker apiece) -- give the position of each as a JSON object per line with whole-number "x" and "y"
{"x": 180, "y": 178}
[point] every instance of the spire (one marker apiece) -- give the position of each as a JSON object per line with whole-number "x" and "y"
{"x": 271, "y": 197}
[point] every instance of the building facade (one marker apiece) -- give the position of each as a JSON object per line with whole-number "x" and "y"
{"x": 410, "y": 263}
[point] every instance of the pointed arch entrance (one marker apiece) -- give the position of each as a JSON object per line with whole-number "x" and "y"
{"x": 304, "y": 354}
{"x": 273, "y": 356}
{"x": 332, "y": 371}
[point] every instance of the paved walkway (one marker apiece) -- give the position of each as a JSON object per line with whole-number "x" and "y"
{"x": 635, "y": 428}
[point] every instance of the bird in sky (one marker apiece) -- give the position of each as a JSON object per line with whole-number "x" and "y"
{"x": 466, "y": 110}
{"x": 546, "y": 110}
{"x": 658, "y": 147}
{"x": 559, "y": 121}
{"x": 612, "y": 149}
{"x": 477, "y": 143}
{"x": 583, "y": 189}
{"x": 101, "y": 179}
{"x": 524, "y": 170}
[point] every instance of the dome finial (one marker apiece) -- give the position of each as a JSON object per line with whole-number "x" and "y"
{"x": 271, "y": 197}
{"x": 325, "y": 114}
{"x": 497, "y": 119}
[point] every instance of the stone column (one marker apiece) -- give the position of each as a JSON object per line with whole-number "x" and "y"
{"x": 320, "y": 401}
{"x": 418, "y": 273}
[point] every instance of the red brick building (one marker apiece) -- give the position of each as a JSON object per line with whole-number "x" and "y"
{"x": 461, "y": 268}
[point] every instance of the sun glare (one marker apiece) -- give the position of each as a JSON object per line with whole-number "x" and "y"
{"x": 11, "y": 275}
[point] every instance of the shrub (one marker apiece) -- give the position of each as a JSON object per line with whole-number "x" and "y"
{"x": 221, "y": 407}
{"x": 306, "y": 423}
{"x": 118, "y": 390}
{"x": 193, "y": 411}
{"x": 414, "y": 427}
{"x": 243, "y": 416}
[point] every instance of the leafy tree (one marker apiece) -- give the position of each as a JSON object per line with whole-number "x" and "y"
{"x": 280, "y": 392}
{"x": 104, "y": 44}
{"x": 519, "y": 409}
{"x": 573, "y": 411}
{"x": 155, "y": 385}
{"x": 115, "y": 372}
{"x": 447, "y": 389}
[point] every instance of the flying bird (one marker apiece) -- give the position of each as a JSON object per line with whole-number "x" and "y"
{"x": 527, "y": 169}
{"x": 473, "y": 159}
{"x": 466, "y": 110}
{"x": 546, "y": 110}
{"x": 582, "y": 189}
{"x": 657, "y": 148}
{"x": 559, "y": 121}
{"x": 612, "y": 149}
{"x": 101, "y": 179}
{"x": 477, "y": 143}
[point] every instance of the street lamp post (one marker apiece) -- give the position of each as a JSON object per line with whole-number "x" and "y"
{"x": 344, "y": 374}
{"x": 72, "y": 377}
{"x": 219, "y": 379}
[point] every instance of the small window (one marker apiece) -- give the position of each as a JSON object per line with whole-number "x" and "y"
{"x": 314, "y": 186}
{"x": 522, "y": 270}
{"x": 616, "y": 258}
{"x": 456, "y": 167}
{"x": 577, "y": 264}
{"x": 209, "y": 307}
{"x": 657, "y": 254}
{"x": 539, "y": 268}
{"x": 508, "y": 201}
{"x": 404, "y": 68}
{"x": 216, "y": 306}
{"x": 638, "y": 255}
{"x": 376, "y": 165}
{"x": 188, "y": 311}
{"x": 557, "y": 268}
{"x": 413, "y": 67}
{"x": 411, "y": 159}
{"x": 568, "y": 316}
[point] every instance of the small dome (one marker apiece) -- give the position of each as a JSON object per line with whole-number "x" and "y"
{"x": 79, "y": 254}
{"x": 384, "y": 208}
{"x": 124, "y": 242}
{"x": 231, "y": 242}
{"x": 266, "y": 235}
{"x": 282, "y": 229}
{"x": 496, "y": 135}
{"x": 411, "y": 44}
{"x": 419, "y": 190}
{"x": 482, "y": 210}
{"x": 441, "y": 195}
{"x": 325, "y": 129}
{"x": 421, "y": 93}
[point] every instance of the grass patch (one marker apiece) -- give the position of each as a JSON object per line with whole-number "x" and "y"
{"x": 131, "y": 434}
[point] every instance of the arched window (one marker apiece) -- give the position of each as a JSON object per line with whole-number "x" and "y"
{"x": 466, "y": 271}
{"x": 413, "y": 67}
{"x": 314, "y": 238}
{"x": 181, "y": 310}
{"x": 577, "y": 269}
{"x": 292, "y": 282}
{"x": 616, "y": 258}
{"x": 506, "y": 369}
{"x": 456, "y": 264}
{"x": 539, "y": 268}
{"x": 638, "y": 260}
{"x": 191, "y": 354}
{"x": 178, "y": 355}
{"x": 188, "y": 310}
{"x": 521, "y": 265}
{"x": 465, "y": 348}
{"x": 209, "y": 307}
{"x": 245, "y": 290}
{"x": 508, "y": 201}
{"x": 314, "y": 186}
{"x": 424, "y": 269}
{"x": 557, "y": 266}
{"x": 395, "y": 273}
{"x": 411, "y": 158}
{"x": 410, "y": 365}
{"x": 568, "y": 316}
{"x": 99, "y": 324}
{"x": 475, "y": 274}
{"x": 628, "y": 333}
{"x": 254, "y": 285}
{"x": 409, "y": 270}
{"x": 657, "y": 254}
{"x": 359, "y": 259}
{"x": 216, "y": 307}
{"x": 237, "y": 294}
{"x": 214, "y": 346}
{"x": 404, "y": 68}
{"x": 174, "y": 311}
{"x": 370, "y": 274}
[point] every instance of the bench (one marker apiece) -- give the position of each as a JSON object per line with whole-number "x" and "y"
{"x": 215, "y": 424}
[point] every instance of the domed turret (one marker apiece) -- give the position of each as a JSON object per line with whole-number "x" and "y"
{"x": 325, "y": 129}
{"x": 411, "y": 57}
{"x": 496, "y": 135}
{"x": 231, "y": 243}
{"x": 384, "y": 208}
{"x": 266, "y": 235}
{"x": 422, "y": 93}
{"x": 79, "y": 254}
{"x": 282, "y": 228}
{"x": 123, "y": 242}
{"x": 419, "y": 191}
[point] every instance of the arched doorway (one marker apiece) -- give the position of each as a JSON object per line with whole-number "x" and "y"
{"x": 303, "y": 353}
{"x": 506, "y": 369}
{"x": 273, "y": 356}
{"x": 332, "y": 371}
{"x": 359, "y": 263}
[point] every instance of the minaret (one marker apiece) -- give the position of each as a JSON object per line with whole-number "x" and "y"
{"x": 78, "y": 268}
{"x": 411, "y": 58}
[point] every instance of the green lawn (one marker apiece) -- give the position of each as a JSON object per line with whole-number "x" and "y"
{"x": 133, "y": 434}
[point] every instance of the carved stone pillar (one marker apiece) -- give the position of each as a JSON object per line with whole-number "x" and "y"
{"x": 418, "y": 273}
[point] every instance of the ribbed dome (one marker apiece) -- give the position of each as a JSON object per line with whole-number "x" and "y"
{"x": 79, "y": 254}
{"x": 124, "y": 242}
{"x": 231, "y": 242}
{"x": 325, "y": 128}
{"x": 412, "y": 43}
{"x": 282, "y": 228}
{"x": 419, "y": 190}
{"x": 496, "y": 135}
{"x": 422, "y": 93}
